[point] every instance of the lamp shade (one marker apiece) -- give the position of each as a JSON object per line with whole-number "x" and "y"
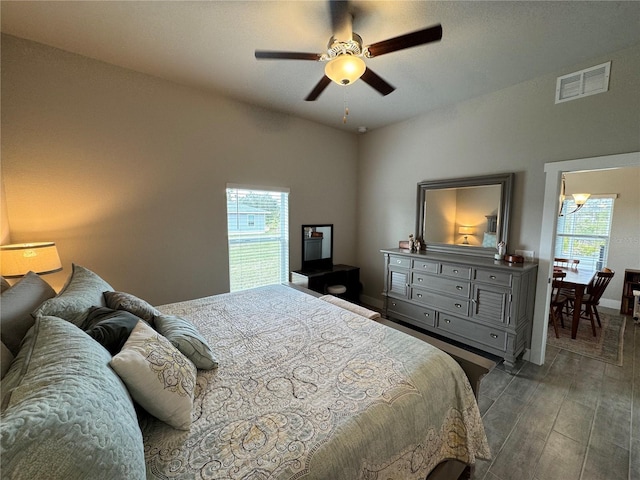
{"x": 345, "y": 69}
{"x": 580, "y": 198}
{"x": 463, "y": 230}
{"x": 20, "y": 258}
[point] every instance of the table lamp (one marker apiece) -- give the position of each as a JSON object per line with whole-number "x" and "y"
{"x": 19, "y": 258}
{"x": 466, "y": 231}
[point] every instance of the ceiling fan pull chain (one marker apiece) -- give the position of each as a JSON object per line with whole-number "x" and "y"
{"x": 346, "y": 106}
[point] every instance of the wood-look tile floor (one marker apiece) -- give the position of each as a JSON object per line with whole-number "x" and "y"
{"x": 573, "y": 418}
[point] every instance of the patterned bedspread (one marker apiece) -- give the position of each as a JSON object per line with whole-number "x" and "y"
{"x": 307, "y": 390}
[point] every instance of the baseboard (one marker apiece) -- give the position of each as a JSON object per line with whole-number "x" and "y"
{"x": 607, "y": 303}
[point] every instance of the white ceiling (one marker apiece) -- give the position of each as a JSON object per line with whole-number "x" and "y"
{"x": 486, "y": 46}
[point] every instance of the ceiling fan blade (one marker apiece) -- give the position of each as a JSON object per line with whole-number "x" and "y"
{"x": 318, "y": 89}
{"x": 275, "y": 55}
{"x": 377, "y": 82}
{"x": 427, "y": 35}
{"x": 341, "y": 20}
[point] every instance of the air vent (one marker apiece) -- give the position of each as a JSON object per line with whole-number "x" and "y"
{"x": 583, "y": 83}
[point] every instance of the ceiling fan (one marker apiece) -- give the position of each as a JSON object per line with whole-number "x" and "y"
{"x": 345, "y": 52}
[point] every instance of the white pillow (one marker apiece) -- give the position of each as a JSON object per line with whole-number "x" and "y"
{"x": 158, "y": 376}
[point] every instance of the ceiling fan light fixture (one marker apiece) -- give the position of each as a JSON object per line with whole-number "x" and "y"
{"x": 345, "y": 69}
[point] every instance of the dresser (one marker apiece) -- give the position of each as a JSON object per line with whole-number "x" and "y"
{"x": 484, "y": 303}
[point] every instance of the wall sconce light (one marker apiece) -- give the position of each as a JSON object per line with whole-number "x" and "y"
{"x": 580, "y": 199}
{"x": 20, "y": 258}
{"x": 466, "y": 231}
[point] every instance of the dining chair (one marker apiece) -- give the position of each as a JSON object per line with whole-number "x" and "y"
{"x": 558, "y": 301}
{"x": 567, "y": 262}
{"x": 592, "y": 297}
{"x": 561, "y": 262}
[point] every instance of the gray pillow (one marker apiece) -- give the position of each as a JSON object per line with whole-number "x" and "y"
{"x": 17, "y": 303}
{"x": 83, "y": 291}
{"x": 132, "y": 304}
{"x": 4, "y": 284}
{"x": 5, "y": 360}
{"x": 110, "y": 328}
{"x": 186, "y": 338}
{"x": 67, "y": 414}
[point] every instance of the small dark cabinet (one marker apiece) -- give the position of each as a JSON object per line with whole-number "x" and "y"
{"x": 631, "y": 283}
{"x": 319, "y": 280}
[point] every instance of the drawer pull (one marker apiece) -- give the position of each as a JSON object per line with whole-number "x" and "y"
{"x": 493, "y": 335}
{"x": 455, "y": 270}
{"x": 446, "y": 320}
{"x": 427, "y": 314}
{"x": 458, "y": 287}
{"x": 399, "y": 261}
{"x": 394, "y": 304}
{"x": 492, "y": 277}
{"x": 458, "y": 305}
{"x": 419, "y": 295}
{"x": 424, "y": 265}
{"x": 420, "y": 279}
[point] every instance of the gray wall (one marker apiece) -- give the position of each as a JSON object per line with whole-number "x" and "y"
{"x": 517, "y": 129}
{"x": 127, "y": 173}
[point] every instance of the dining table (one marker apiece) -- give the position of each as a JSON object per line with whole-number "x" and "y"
{"x": 577, "y": 279}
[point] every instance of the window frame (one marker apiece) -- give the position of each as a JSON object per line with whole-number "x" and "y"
{"x": 596, "y": 261}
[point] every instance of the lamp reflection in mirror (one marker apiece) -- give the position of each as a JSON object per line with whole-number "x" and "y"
{"x": 466, "y": 231}
{"x": 20, "y": 258}
{"x": 580, "y": 199}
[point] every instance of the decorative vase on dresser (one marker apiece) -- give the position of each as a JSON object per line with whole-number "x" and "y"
{"x": 480, "y": 302}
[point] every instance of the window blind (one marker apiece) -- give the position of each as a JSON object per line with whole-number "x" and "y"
{"x": 258, "y": 236}
{"x": 584, "y": 235}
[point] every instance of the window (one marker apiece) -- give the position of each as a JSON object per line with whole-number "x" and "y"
{"x": 584, "y": 235}
{"x": 258, "y": 235}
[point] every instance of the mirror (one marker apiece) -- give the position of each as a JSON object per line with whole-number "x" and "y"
{"x": 317, "y": 247}
{"x": 464, "y": 215}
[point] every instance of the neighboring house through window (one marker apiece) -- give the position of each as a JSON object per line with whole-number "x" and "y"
{"x": 584, "y": 235}
{"x": 258, "y": 236}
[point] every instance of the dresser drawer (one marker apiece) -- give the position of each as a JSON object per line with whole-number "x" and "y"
{"x": 491, "y": 337}
{"x": 425, "y": 266}
{"x": 446, "y": 285}
{"x": 460, "y": 306}
{"x": 494, "y": 277}
{"x": 421, "y": 316}
{"x": 403, "y": 262}
{"x": 455, "y": 271}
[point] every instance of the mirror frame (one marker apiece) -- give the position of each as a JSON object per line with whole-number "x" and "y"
{"x": 505, "y": 181}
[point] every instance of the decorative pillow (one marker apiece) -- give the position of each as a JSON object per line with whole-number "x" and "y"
{"x": 68, "y": 415}
{"x": 4, "y": 284}
{"x": 5, "y": 359}
{"x": 489, "y": 240}
{"x": 186, "y": 338}
{"x": 110, "y": 328}
{"x": 83, "y": 291}
{"x": 17, "y": 304}
{"x": 131, "y": 303}
{"x": 158, "y": 376}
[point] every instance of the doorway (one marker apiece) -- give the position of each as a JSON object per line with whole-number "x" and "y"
{"x": 554, "y": 171}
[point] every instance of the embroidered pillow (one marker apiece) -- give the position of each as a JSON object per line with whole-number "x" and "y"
{"x": 82, "y": 291}
{"x": 186, "y": 338}
{"x": 160, "y": 378}
{"x": 131, "y": 303}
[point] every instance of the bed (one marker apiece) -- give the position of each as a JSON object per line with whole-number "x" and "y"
{"x": 290, "y": 386}
{"x": 306, "y": 389}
